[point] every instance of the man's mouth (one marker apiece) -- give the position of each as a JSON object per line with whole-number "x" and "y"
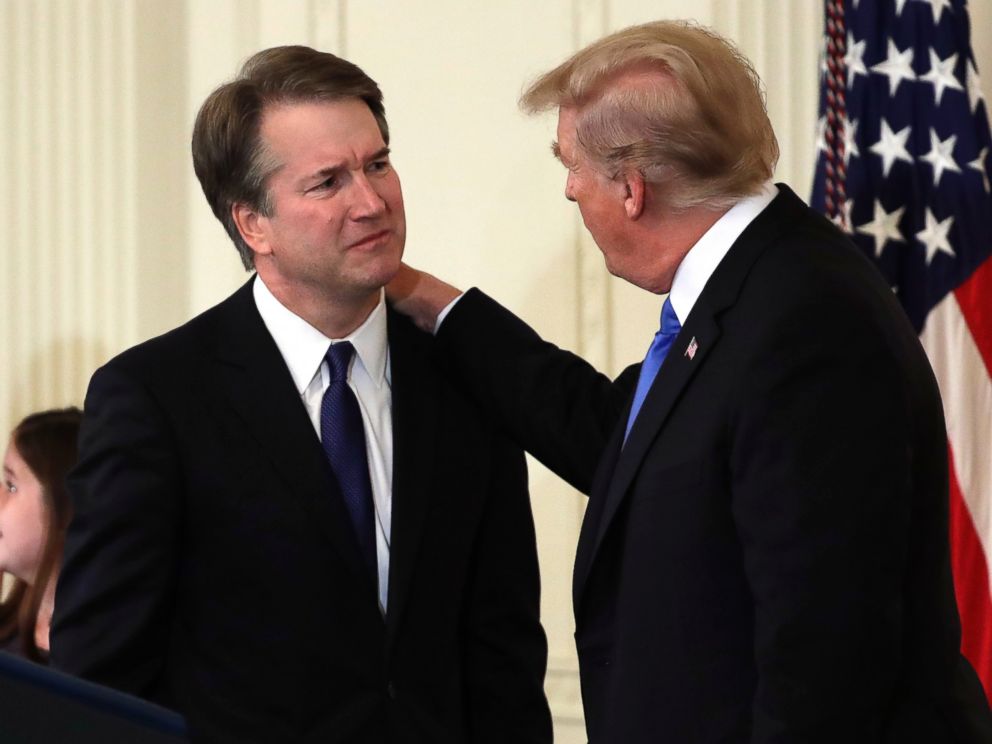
{"x": 372, "y": 240}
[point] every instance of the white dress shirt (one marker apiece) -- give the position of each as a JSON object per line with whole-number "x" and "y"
{"x": 702, "y": 259}
{"x": 303, "y": 347}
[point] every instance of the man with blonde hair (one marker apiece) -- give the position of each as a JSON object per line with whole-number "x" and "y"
{"x": 764, "y": 557}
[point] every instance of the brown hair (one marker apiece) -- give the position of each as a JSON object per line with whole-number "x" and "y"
{"x": 672, "y": 100}
{"x": 46, "y": 441}
{"x": 229, "y": 156}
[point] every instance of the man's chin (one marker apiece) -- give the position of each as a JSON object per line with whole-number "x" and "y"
{"x": 379, "y": 274}
{"x": 385, "y": 273}
{"x": 613, "y": 268}
{"x": 629, "y": 276}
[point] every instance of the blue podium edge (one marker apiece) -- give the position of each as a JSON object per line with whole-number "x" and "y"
{"x": 92, "y": 695}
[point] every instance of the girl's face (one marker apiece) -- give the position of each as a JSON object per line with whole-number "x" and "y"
{"x": 22, "y": 518}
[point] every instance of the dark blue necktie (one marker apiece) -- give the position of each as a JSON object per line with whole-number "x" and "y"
{"x": 342, "y": 435}
{"x": 663, "y": 339}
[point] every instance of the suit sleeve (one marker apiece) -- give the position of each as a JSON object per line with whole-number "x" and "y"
{"x": 506, "y": 649}
{"x": 116, "y": 589}
{"x": 553, "y": 404}
{"x": 822, "y": 501}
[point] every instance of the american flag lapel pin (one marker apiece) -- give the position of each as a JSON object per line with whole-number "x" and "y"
{"x": 690, "y": 350}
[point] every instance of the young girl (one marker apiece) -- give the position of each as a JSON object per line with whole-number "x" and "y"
{"x": 34, "y": 513}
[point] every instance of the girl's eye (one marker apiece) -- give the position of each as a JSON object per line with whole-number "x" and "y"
{"x": 11, "y": 488}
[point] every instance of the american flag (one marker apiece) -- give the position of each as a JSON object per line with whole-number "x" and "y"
{"x": 903, "y": 165}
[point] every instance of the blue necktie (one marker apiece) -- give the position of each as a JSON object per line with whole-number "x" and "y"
{"x": 663, "y": 339}
{"x": 342, "y": 436}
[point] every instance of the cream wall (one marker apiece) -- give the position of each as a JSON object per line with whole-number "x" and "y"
{"x": 109, "y": 240}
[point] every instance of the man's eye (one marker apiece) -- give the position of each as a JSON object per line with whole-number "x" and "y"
{"x": 11, "y": 488}
{"x": 328, "y": 183}
{"x": 379, "y": 166}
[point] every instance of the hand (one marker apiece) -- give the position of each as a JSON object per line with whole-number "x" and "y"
{"x": 420, "y": 296}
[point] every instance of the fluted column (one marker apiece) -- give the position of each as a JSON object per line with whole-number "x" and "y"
{"x": 69, "y": 195}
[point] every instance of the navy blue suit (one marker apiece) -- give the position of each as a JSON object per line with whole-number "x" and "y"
{"x": 211, "y": 566}
{"x": 766, "y": 558}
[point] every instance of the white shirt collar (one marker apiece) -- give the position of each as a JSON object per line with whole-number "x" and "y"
{"x": 303, "y": 347}
{"x": 703, "y": 258}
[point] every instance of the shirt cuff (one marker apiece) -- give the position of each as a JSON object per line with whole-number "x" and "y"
{"x": 444, "y": 313}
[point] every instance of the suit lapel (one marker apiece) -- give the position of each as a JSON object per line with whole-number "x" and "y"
{"x": 416, "y": 399}
{"x": 617, "y": 471}
{"x": 701, "y": 329}
{"x": 260, "y": 389}
{"x": 674, "y": 375}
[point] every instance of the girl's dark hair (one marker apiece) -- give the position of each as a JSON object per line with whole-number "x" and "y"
{"x": 46, "y": 441}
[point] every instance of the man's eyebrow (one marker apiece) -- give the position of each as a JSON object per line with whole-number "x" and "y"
{"x": 330, "y": 170}
{"x": 555, "y": 149}
{"x": 326, "y": 172}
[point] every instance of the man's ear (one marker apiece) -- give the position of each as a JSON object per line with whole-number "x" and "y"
{"x": 252, "y": 227}
{"x": 634, "y": 193}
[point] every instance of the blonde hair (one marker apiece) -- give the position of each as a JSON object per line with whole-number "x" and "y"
{"x": 672, "y": 100}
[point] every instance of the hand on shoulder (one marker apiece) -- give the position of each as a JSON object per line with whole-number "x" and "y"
{"x": 420, "y": 296}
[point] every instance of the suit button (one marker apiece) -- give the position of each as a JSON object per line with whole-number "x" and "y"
{"x": 391, "y": 690}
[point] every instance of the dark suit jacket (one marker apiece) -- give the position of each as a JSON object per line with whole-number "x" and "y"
{"x": 210, "y": 565}
{"x": 766, "y": 559}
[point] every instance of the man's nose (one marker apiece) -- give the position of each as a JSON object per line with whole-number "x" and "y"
{"x": 367, "y": 200}
{"x": 569, "y": 188}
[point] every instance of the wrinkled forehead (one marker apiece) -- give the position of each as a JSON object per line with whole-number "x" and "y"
{"x": 324, "y": 130}
{"x": 288, "y": 120}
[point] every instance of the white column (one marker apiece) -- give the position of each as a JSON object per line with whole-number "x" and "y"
{"x": 69, "y": 158}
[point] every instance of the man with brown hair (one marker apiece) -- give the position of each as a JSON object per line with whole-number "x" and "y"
{"x": 287, "y": 526}
{"x": 764, "y": 555}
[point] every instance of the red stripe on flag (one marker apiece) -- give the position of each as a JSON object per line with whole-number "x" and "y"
{"x": 971, "y": 585}
{"x": 973, "y": 298}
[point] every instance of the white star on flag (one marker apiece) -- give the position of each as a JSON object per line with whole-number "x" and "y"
{"x": 850, "y": 140}
{"x": 854, "y": 59}
{"x": 934, "y": 236}
{"x": 941, "y": 75}
{"x": 979, "y": 165}
{"x": 883, "y": 227}
{"x": 891, "y": 147}
{"x": 941, "y": 156}
{"x": 821, "y": 134}
{"x": 937, "y": 6}
{"x": 975, "y": 93}
{"x": 898, "y": 66}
